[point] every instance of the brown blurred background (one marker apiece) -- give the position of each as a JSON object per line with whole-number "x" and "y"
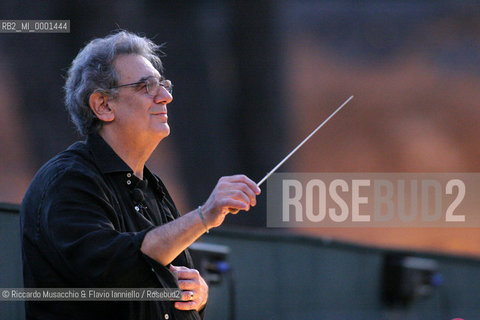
{"x": 252, "y": 78}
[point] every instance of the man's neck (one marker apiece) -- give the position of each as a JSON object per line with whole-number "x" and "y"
{"x": 134, "y": 152}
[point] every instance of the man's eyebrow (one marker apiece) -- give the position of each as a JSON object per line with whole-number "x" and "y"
{"x": 148, "y": 77}
{"x": 144, "y": 78}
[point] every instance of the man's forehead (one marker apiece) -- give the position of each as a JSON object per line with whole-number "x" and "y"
{"x": 132, "y": 67}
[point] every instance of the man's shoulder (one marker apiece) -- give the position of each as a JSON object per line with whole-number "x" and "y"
{"x": 76, "y": 160}
{"x": 71, "y": 167}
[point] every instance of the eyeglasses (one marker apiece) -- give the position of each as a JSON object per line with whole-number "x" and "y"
{"x": 152, "y": 84}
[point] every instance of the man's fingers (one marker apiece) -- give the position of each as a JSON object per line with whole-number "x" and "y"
{"x": 239, "y": 191}
{"x": 240, "y": 195}
{"x": 194, "y": 289}
{"x": 244, "y": 188}
{"x": 187, "y": 305}
{"x": 188, "y": 295}
{"x": 249, "y": 182}
{"x": 186, "y": 273}
{"x": 188, "y": 285}
{"x": 232, "y": 204}
{"x": 231, "y": 194}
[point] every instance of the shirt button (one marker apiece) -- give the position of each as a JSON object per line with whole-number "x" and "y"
{"x": 129, "y": 182}
{"x": 166, "y": 316}
{"x": 137, "y": 209}
{"x": 129, "y": 175}
{"x": 153, "y": 270}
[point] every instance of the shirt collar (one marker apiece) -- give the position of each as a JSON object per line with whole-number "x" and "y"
{"x": 109, "y": 162}
{"x": 105, "y": 158}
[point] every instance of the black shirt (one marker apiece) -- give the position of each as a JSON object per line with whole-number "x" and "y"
{"x": 83, "y": 224}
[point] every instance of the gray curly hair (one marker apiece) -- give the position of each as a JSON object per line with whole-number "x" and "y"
{"x": 93, "y": 71}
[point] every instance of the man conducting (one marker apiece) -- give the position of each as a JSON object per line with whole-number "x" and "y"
{"x": 95, "y": 216}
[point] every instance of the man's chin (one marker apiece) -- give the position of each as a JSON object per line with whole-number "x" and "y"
{"x": 164, "y": 131}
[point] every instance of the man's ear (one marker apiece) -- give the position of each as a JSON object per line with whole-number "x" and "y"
{"x": 99, "y": 105}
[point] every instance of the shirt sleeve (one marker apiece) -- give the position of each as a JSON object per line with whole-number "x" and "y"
{"x": 77, "y": 226}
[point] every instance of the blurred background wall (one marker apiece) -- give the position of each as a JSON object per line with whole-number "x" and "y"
{"x": 252, "y": 78}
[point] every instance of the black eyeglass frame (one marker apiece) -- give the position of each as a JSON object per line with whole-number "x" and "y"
{"x": 165, "y": 83}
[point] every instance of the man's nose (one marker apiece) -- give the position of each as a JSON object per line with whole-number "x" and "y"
{"x": 163, "y": 96}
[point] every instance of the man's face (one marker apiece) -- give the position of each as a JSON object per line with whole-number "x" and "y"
{"x": 138, "y": 114}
